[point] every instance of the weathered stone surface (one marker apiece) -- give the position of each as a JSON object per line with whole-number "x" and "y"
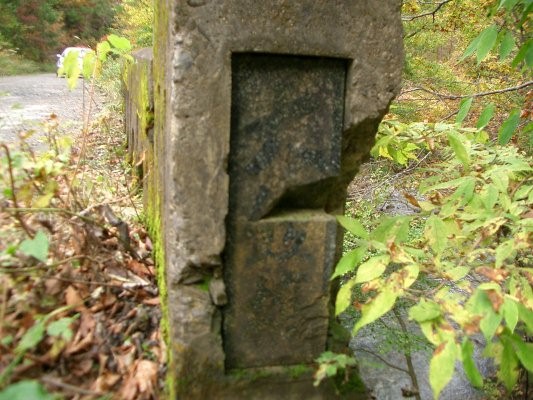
{"x": 286, "y": 132}
{"x": 139, "y": 118}
{"x": 195, "y": 43}
{"x": 285, "y": 151}
{"x": 277, "y": 277}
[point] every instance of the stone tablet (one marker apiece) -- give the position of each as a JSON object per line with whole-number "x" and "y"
{"x": 285, "y": 148}
{"x": 286, "y": 132}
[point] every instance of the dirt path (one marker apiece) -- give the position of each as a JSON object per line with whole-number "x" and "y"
{"x": 27, "y": 100}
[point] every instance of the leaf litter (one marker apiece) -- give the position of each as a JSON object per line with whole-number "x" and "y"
{"x": 79, "y": 307}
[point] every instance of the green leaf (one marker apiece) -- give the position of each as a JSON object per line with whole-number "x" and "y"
{"x": 507, "y": 44}
{"x": 43, "y": 201}
{"x": 429, "y": 331}
{"x": 407, "y": 275}
{"x": 464, "y": 107}
{"x": 459, "y": 149}
{"x": 524, "y": 53}
{"x": 508, "y": 371}
{"x": 378, "y": 306}
{"x": 500, "y": 179}
{"x": 465, "y": 191}
{"x": 510, "y": 313}
{"x": 89, "y": 61}
{"x": 485, "y": 116}
{"x": 72, "y": 80}
{"x": 344, "y": 297}
{"x": 524, "y": 351}
{"x": 526, "y": 315}
{"x": 372, "y": 269}
{"x": 36, "y": 247}
{"x": 504, "y": 251}
{"x": 326, "y": 357}
{"x": 71, "y": 68}
{"x": 489, "y": 323}
{"x": 469, "y": 365}
{"x": 487, "y": 41}
{"x": 441, "y": 366}
{"x": 507, "y": 4}
{"x": 25, "y": 390}
{"x": 471, "y": 47}
{"x": 102, "y": 49}
{"x": 353, "y": 226}
{"x": 425, "y": 311}
{"x": 508, "y": 127}
{"x": 448, "y": 184}
{"x": 32, "y": 337}
{"x": 489, "y": 196}
{"x": 61, "y": 328}
{"x": 119, "y": 43}
{"x": 392, "y": 228}
{"x": 349, "y": 261}
{"x": 529, "y": 54}
{"x": 457, "y": 273}
{"x": 436, "y": 235}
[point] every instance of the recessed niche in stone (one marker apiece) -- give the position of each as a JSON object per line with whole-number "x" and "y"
{"x": 285, "y": 153}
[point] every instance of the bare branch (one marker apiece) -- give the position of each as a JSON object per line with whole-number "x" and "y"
{"x": 18, "y": 216}
{"x": 407, "y": 355}
{"x": 426, "y": 14}
{"x": 71, "y": 388}
{"x": 458, "y": 97}
{"x": 382, "y": 359}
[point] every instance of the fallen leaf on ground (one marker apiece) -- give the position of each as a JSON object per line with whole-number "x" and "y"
{"x": 74, "y": 300}
{"x": 141, "y": 381}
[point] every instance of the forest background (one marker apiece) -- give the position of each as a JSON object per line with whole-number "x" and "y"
{"x": 32, "y": 32}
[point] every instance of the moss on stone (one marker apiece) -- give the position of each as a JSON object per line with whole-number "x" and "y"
{"x": 296, "y": 371}
{"x": 348, "y": 383}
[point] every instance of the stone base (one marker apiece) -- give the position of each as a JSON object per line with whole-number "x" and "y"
{"x": 288, "y": 383}
{"x": 277, "y": 279}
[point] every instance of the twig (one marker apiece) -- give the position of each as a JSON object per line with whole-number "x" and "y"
{"x": 403, "y": 172}
{"x": 70, "y": 191}
{"x": 73, "y": 258}
{"x": 3, "y": 305}
{"x": 52, "y": 210}
{"x": 130, "y": 197}
{"x": 382, "y": 360}
{"x": 481, "y": 94}
{"x": 426, "y": 14}
{"x": 94, "y": 206}
{"x": 519, "y": 185}
{"x": 408, "y": 358}
{"x": 85, "y": 130}
{"x": 72, "y": 388}
{"x": 25, "y": 226}
{"x": 18, "y": 270}
{"x": 84, "y": 282}
{"x": 449, "y": 115}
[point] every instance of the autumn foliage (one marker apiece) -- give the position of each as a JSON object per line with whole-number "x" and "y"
{"x": 37, "y": 29}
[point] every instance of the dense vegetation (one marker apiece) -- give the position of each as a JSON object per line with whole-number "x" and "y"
{"x": 457, "y": 147}
{"x": 32, "y": 32}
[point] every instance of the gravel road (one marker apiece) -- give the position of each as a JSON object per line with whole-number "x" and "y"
{"x": 27, "y": 100}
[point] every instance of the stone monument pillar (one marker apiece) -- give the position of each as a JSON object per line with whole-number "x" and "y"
{"x": 263, "y": 112}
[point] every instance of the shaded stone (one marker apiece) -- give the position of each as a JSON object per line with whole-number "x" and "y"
{"x": 286, "y": 132}
{"x": 277, "y": 273}
{"x": 139, "y": 119}
{"x": 285, "y": 151}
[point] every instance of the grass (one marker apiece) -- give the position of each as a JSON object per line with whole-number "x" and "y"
{"x": 13, "y": 64}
